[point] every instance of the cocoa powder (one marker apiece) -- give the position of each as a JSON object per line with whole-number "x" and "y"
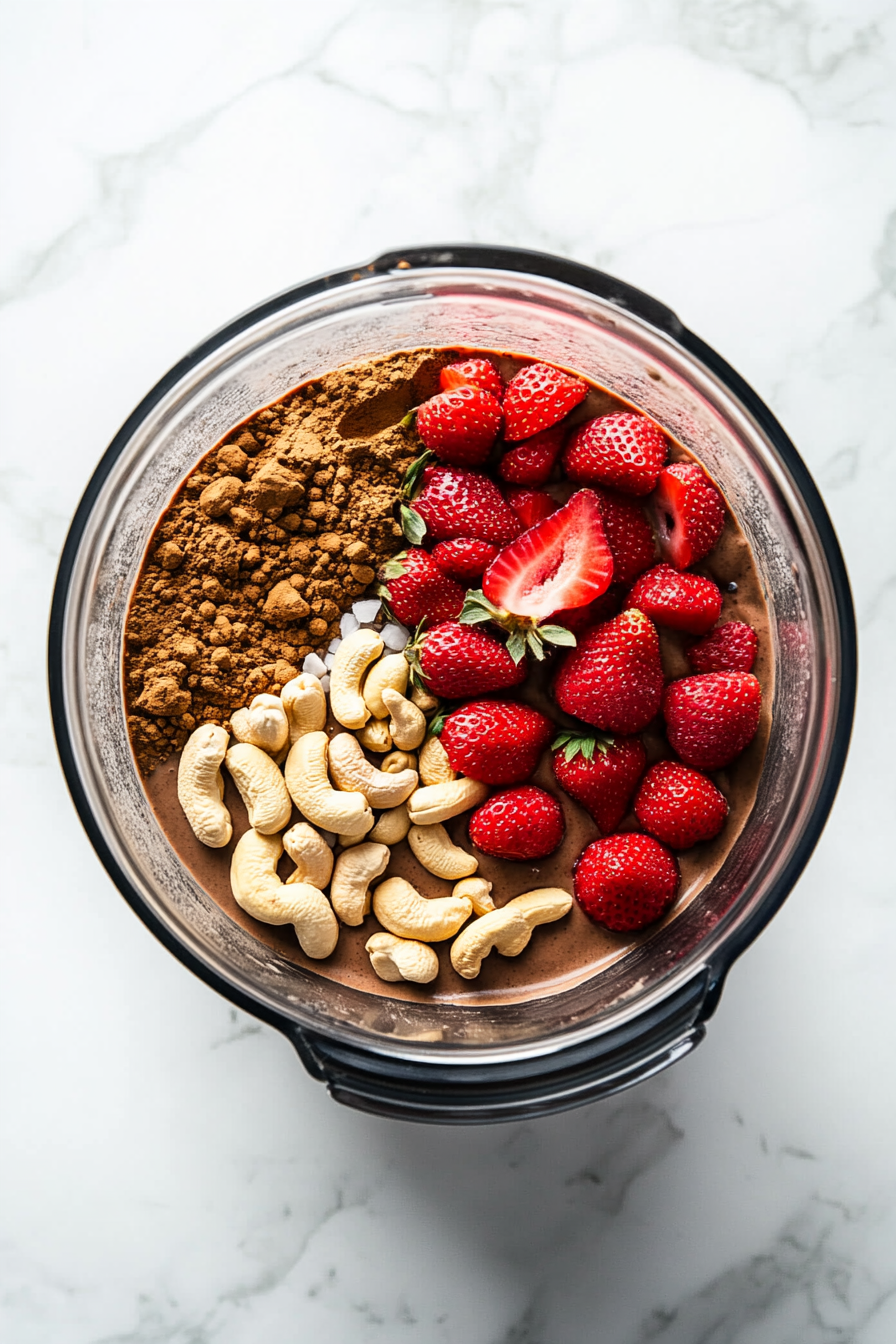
{"x": 273, "y": 535}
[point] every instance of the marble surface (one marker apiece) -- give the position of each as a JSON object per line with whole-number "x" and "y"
{"x": 170, "y": 1174}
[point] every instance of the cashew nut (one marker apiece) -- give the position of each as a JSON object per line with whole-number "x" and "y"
{"x": 310, "y": 853}
{"x": 259, "y": 891}
{"x": 435, "y": 767}
{"x": 423, "y": 700}
{"x": 375, "y": 735}
{"x": 311, "y": 791}
{"x": 391, "y": 671}
{"x": 397, "y": 761}
{"x": 261, "y": 787}
{"x": 507, "y": 930}
{"x": 406, "y": 722}
{"x": 264, "y": 724}
{"x": 407, "y": 914}
{"x": 351, "y": 770}
{"x": 432, "y": 847}
{"x": 401, "y": 959}
{"x": 478, "y": 890}
{"x": 347, "y": 841}
{"x": 392, "y": 826}
{"x": 355, "y": 870}
{"x": 200, "y": 788}
{"x": 438, "y": 802}
{"x": 305, "y": 704}
{"x": 353, "y": 656}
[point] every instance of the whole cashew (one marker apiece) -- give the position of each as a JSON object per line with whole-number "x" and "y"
{"x": 439, "y": 802}
{"x": 507, "y": 930}
{"x": 435, "y": 767}
{"x": 352, "y": 658}
{"x": 261, "y": 787}
{"x": 200, "y": 788}
{"x": 397, "y": 761}
{"x": 311, "y": 791}
{"x": 305, "y": 704}
{"x": 351, "y": 770}
{"x": 310, "y": 853}
{"x": 391, "y": 671}
{"x": 375, "y": 735}
{"x": 264, "y": 724}
{"x": 392, "y": 826}
{"x": 355, "y": 870}
{"x": 423, "y": 700}
{"x": 432, "y": 847}
{"x": 259, "y": 891}
{"x": 401, "y": 959}
{"x": 403, "y": 911}
{"x": 478, "y": 890}
{"x": 406, "y": 722}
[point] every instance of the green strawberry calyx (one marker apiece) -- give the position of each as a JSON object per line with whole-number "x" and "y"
{"x": 524, "y": 633}
{"x": 412, "y": 525}
{"x": 587, "y": 744}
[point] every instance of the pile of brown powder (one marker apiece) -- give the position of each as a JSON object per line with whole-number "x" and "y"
{"x": 274, "y": 535}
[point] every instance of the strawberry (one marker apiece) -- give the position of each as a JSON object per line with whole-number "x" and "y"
{"x": 629, "y": 535}
{"x": 465, "y": 558}
{"x": 601, "y": 774}
{"x": 522, "y": 823}
{"x": 680, "y": 806}
{"x": 623, "y": 450}
{"x": 530, "y": 506}
{"x": 625, "y": 881}
{"x": 495, "y": 741}
{"x": 455, "y": 660}
{"x": 731, "y": 648}
{"x": 688, "y": 514}
{"x": 456, "y": 503}
{"x": 680, "y": 601}
{"x": 537, "y": 397}
{"x": 476, "y": 372}
{"x": 712, "y": 717}
{"x": 532, "y": 461}
{"x": 415, "y": 587}
{"x": 614, "y": 678}
{"x": 460, "y": 426}
{"x": 602, "y": 608}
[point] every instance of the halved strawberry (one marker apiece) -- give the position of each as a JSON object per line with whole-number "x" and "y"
{"x": 465, "y": 558}
{"x": 537, "y": 397}
{"x": 532, "y": 461}
{"x": 476, "y": 372}
{"x": 460, "y": 426}
{"x": 415, "y": 587}
{"x": 530, "y": 506}
{"x": 688, "y": 514}
{"x": 448, "y": 502}
{"x": 623, "y": 450}
{"x": 678, "y": 600}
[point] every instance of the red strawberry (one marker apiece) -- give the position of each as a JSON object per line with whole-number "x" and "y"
{"x": 416, "y": 587}
{"x": 523, "y": 823}
{"x": 601, "y": 609}
{"x": 731, "y": 648}
{"x": 537, "y": 397}
{"x": 629, "y": 534}
{"x": 680, "y": 806}
{"x": 532, "y": 461}
{"x": 614, "y": 678}
{"x": 478, "y": 372}
{"x": 626, "y": 881}
{"x": 458, "y": 660}
{"x": 465, "y": 558}
{"x": 711, "y": 718}
{"x": 623, "y": 450}
{"x": 530, "y": 506}
{"x": 460, "y": 426}
{"x": 563, "y": 561}
{"x": 602, "y": 776}
{"x": 495, "y": 741}
{"x": 455, "y": 503}
{"x": 688, "y": 514}
{"x": 680, "y": 601}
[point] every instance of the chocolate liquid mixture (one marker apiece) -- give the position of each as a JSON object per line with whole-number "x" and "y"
{"x": 559, "y": 955}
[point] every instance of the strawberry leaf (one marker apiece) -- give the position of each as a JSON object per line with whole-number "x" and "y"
{"x": 412, "y": 525}
{"x": 408, "y": 419}
{"x": 585, "y": 743}
{"x": 536, "y": 647}
{"x": 393, "y": 569}
{"x": 477, "y": 608}
{"x": 516, "y": 645}
{"x": 437, "y": 723}
{"x": 410, "y": 486}
{"x": 557, "y": 634}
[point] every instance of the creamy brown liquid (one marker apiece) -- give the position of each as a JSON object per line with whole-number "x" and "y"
{"x": 559, "y": 955}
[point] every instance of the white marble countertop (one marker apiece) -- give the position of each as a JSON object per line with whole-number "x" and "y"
{"x": 170, "y": 1173}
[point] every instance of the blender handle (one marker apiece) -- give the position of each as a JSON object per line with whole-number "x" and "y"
{"x": 483, "y": 1093}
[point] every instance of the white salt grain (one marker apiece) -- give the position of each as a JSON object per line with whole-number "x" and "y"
{"x": 325, "y": 682}
{"x": 315, "y": 665}
{"x": 367, "y": 611}
{"x": 329, "y": 660}
{"x": 349, "y": 623}
{"x": 395, "y": 636}
{"x": 334, "y": 645}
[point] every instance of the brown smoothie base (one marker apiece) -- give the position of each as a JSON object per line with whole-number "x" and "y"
{"x": 574, "y": 949}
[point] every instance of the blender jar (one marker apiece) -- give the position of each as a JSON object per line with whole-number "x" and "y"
{"x": 439, "y": 1062}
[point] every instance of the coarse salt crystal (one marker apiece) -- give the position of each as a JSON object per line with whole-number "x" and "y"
{"x": 367, "y": 611}
{"x": 315, "y": 665}
{"x": 348, "y": 624}
{"x": 325, "y": 682}
{"x": 395, "y": 636}
{"x": 329, "y": 659}
{"x": 334, "y": 645}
